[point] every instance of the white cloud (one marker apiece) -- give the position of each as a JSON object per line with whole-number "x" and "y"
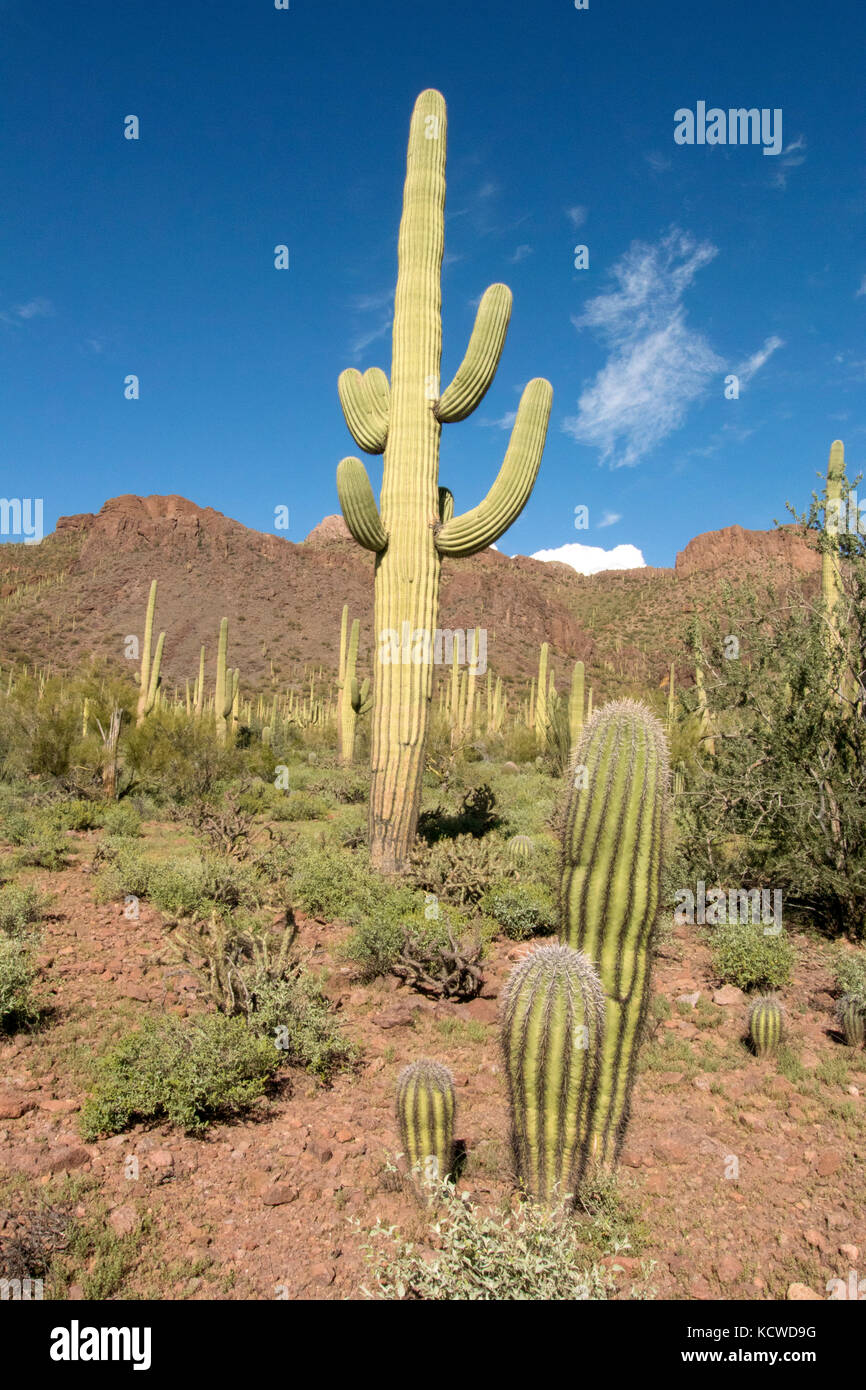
{"x": 657, "y": 365}
{"x": 35, "y": 309}
{"x": 756, "y": 361}
{"x": 592, "y": 559}
{"x": 659, "y": 163}
{"x": 505, "y": 422}
{"x": 790, "y": 158}
{"x": 609, "y": 519}
{"x": 576, "y": 216}
{"x": 520, "y": 254}
{"x": 862, "y": 289}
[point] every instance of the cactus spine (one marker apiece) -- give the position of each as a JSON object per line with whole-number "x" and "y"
{"x": 150, "y": 664}
{"x": 609, "y": 888}
{"x": 417, "y": 525}
{"x": 765, "y": 1025}
{"x": 852, "y": 1015}
{"x": 553, "y": 1017}
{"x": 425, "y": 1110}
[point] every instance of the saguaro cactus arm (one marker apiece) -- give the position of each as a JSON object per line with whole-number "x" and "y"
{"x": 478, "y": 368}
{"x": 359, "y": 505}
{"x": 484, "y": 524}
{"x": 366, "y": 405}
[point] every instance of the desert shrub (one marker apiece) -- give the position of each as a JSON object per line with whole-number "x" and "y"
{"x": 850, "y": 971}
{"x": 294, "y": 1014}
{"x": 518, "y": 745}
{"x": 351, "y": 789}
{"x": 440, "y": 962}
{"x": 522, "y": 909}
{"x": 187, "y": 1071}
{"x": 173, "y": 758}
{"x": 337, "y": 883}
{"x": 21, "y": 908}
{"x": 523, "y": 1255}
{"x": 17, "y": 978}
{"x": 121, "y": 818}
{"x": 121, "y": 870}
{"x": 745, "y": 956}
{"x": 45, "y": 848}
{"x": 298, "y": 806}
{"x": 76, "y": 814}
{"x": 459, "y": 871}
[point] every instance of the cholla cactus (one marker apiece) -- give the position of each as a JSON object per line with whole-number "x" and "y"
{"x": 150, "y": 663}
{"x": 765, "y": 1025}
{"x": 415, "y": 525}
{"x": 612, "y": 842}
{"x": 851, "y": 1012}
{"x": 425, "y": 1110}
{"x": 552, "y": 1027}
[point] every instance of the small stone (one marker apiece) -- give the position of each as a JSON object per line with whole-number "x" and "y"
{"x": 729, "y": 994}
{"x": 838, "y": 1220}
{"x": 133, "y": 991}
{"x": 851, "y": 1252}
{"x": 123, "y": 1220}
{"x": 817, "y": 1241}
{"x": 320, "y": 1150}
{"x": 344, "y": 1136}
{"x": 729, "y": 1269}
{"x": 59, "y": 1107}
{"x": 853, "y": 1090}
{"x": 64, "y": 1160}
{"x": 323, "y": 1274}
{"x": 801, "y": 1293}
{"x": 12, "y": 1107}
{"x": 160, "y": 1158}
{"x": 400, "y": 1017}
{"x": 827, "y": 1163}
{"x": 279, "y": 1195}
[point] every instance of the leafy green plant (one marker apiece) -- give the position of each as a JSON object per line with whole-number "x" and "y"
{"x": 524, "y": 1255}
{"x": 17, "y": 978}
{"x": 21, "y": 909}
{"x": 187, "y": 1071}
{"x": 522, "y": 909}
{"x": 745, "y": 956}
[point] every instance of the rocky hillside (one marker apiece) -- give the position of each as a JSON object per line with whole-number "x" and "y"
{"x": 83, "y": 590}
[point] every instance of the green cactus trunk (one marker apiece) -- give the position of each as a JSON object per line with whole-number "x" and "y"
{"x": 542, "y": 701}
{"x": 199, "y": 690}
{"x": 150, "y": 664}
{"x": 224, "y": 691}
{"x": 553, "y": 1018}
{"x": 609, "y": 890}
{"x": 425, "y": 1110}
{"x": 575, "y": 703}
{"x": 765, "y": 1026}
{"x": 417, "y": 526}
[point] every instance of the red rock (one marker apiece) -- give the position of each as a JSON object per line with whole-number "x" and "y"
{"x": 482, "y": 1010}
{"x": 12, "y": 1107}
{"x": 160, "y": 1158}
{"x": 344, "y": 1136}
{"x": 729, "y": 1269}
{"x": 59, "y": 1107}
{"x": 320, "y": 1150}
{"x": 323, "y": 1274}
{"x": 279, "y": 1195}
{"x": 64, "y": 1160}
{"x": 827, "y": 1163}
{"x": 801, "y": 1293}
{"x": 123, "y": 1220}
{"x": 728, "y": 994}
{"x": 403, "y": 1016}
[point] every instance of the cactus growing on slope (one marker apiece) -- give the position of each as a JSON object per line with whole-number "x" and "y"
{"x": 765, "y": 1025}
{"x": 613, "y": 830}
{"x": 150, "y": 662}
{"x": 553, "y": 1018}
{"x": 416, "y": 526}
{"x": 425, "y": 1111}
{"x": 354, "y": 699}
{"x": 224, "y": 692}
{"x": 851, "y": 1012}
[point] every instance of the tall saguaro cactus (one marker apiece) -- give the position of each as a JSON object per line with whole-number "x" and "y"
{"x": 612, "y": 850}
{"x": 354, "y": 698}
{"x": 150, "y": 661}
{"x": 415, "y": 525}
{"x": 224, "y": 690}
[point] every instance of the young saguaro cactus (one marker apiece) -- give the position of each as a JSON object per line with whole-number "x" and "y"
{"x": 425, "y": 1110}
{"x": 553, "y": 1018}
{"x": 765, "y": 1025}
{"x": 612, "y": 847}
{"x": 224, "y": 692}
{"x": 415, "y": 526}
{"x": 354, "y": 699}
{"x": 150, "y": 662}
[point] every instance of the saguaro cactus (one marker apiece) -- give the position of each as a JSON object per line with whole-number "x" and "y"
{"x": 542, "y": 700}
{"x": 415, "y": 525}
{"x": 851, "y": 1011}
{"x": 575, "y": 703}
{"x": 354, "y": 699}
{"x": 613, "y": 832}
{"x": 224, "y": 692}
{"x": 425, "y": 1110}
{"x": 765, "y": 1025}
{"x": 831, "y": 581}
{"x": 552, "y": 1027}
{"x": 150, "y": 664}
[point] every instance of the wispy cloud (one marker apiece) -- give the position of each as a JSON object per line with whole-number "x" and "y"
{"x": 505, "y": 422}
{"x": 792, "y": 157}
{"x": 592, "y": 559}
{"x": 862, "y": 289}
{"x": 38, "y": 308}
{"x": 659, "y": 163}
{"x": 609, "y": 519}
{"x": 753, "y": 364}
{"x": 657, "y": 364}
{"x": 520, "y": 254}
{"x": 576, "y": 215}
{"x": 378, "y": 309}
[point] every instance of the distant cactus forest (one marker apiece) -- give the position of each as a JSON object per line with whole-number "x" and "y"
{"x": 476, "y": 985}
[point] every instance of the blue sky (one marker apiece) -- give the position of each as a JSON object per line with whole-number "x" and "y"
{"x": 260, "y": 127}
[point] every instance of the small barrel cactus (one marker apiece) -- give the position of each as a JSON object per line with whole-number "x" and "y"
{"x": 520, "y": 848}
{"x": 552, "y": 1025}
{"x": 425, "y": 1110}
{"x": 765, "y": 1025}
{"x": 851, "y": 1011}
